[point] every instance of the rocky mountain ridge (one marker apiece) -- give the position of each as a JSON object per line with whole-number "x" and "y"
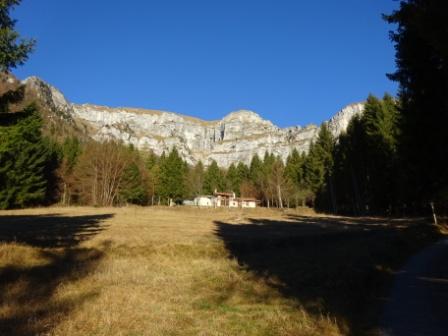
{"x": 236, "y": 137}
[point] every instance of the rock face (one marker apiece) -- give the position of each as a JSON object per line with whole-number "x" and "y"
{"x": 235, "y": 138}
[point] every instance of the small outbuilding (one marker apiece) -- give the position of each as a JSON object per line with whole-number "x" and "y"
{"x": 205, "y": 201}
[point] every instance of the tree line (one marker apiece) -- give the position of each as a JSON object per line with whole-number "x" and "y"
{"x": 391, "y": 160}
{"x": 36, "y": 170}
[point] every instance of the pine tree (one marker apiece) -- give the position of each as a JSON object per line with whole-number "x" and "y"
{"x": 380, "y": 124}
{"x": 134, "y": 184}
{"x": 294, "y": 172}
{"x": 214, "y": 179}
{"x": 255, "y": 170}
{"x": 172, "y": 176}
{"x": 133, "y": 188}
{"x": 422, "y": 71}
{"x": 233, "y": 180}
{"x": 27, "y": 163}
{"x": 13, "y": 50}
{"x": 294, "y": 168}
{"x": 313, "y": 170}
{"x": 242, "y": 171}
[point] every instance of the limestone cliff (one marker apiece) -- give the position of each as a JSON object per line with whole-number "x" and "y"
{"x": 236, "y": 137}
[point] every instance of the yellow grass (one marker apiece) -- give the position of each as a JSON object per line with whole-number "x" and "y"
{"x": 161, "y": 271}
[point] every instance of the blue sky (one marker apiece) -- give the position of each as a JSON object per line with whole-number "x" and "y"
{"x": 294, "y": 62}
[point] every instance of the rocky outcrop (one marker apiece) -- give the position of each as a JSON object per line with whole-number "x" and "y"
{"x": 339, "y": 122}
{"x": 236, "y": 137}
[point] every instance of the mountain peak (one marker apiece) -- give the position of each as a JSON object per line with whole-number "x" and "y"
{"x": 243, "y": 114}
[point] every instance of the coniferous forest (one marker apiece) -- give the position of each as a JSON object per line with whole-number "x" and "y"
{"x": 391, "y": 160}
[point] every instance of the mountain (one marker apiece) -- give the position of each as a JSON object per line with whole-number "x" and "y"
{"x": 236, "y": 137}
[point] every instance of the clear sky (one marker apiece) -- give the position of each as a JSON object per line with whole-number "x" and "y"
{"x": 292, "y": 61}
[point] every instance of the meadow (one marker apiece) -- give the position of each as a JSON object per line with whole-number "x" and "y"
{"x": 186, "y": 271}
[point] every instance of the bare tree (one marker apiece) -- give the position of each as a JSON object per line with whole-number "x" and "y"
{"x": 100, "y": 171}
{"x": 277, "y": 181}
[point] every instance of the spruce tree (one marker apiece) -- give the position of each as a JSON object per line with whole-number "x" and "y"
{"x": 14, "y": 51}
{"x": 255, "y": 169}
{"x": 420, "y": 41}
{"x": 27, "y": 163}
{"x": 233, "y": 180}
{"x": 294, "y": 167}
{"x": 214, "y": 179}
{"x": 132, "y": 188}
{"x": 172, "y": 176}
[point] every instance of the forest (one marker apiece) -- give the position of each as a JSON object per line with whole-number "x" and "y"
{"x": 391, "y": 160}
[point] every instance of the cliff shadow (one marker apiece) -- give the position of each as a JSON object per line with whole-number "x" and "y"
{"x": 39, "y": 253}
{"x": 333, "y": 266}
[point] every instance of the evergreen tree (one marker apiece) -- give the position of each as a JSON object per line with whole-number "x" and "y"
{"x": 294, "y": 168}
{"x": 235, "y": 176}
{"x": 255, "y": 170}
{"x": 294, "y": 172}
{"x": 242, "y": 171}
{"x": 214, "y": 179}
{"x": 422, "y": 72}
{"x": 27, "y": 163}
{"x": 134, "y": 183}
{"x": 233, "y": 180}
{"x": 380, "y": 124}
{"x": 313, "y": 170}
{"x": 13, "y": 50}
{"x": 172, "y": 176}
{"x": 364, "y": 164}
{"x": 133, "y": 188}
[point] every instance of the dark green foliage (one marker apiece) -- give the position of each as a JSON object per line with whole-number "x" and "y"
{"x": 255, "y": 170}
{"x": 27, "y": 163}
{"x": 133, "y": 188}
{"x": 172, "y": 176}
{"x": 13, "y": 50}
{"x": 313, "y": 170}
{"x": 235, "y": 176}
{"x": 233, "y": 181}
{"x": 214, "y": 179}
{"x": 294, "y": 168}
{"x": 318, "y": 165}
{"x": 363, "y": 175}
{"x": 422, "y": 72}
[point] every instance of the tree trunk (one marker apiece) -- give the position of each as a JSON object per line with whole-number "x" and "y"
{"x": 279, "y": 195}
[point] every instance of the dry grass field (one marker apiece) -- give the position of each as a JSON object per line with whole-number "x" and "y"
{"x": 160, "y": 271}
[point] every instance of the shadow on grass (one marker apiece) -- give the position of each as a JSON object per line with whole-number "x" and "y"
{"x": 47, "y": 255}
{"x": 337, "y": 267}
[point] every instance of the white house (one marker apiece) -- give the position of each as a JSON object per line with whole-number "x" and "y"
{"x": 205, "y": 201}
{"x": 223, "y": 199}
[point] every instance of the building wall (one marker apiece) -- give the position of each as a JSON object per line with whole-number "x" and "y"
{"x": 248, "y": 204}
{"x": 203, "y": 201}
